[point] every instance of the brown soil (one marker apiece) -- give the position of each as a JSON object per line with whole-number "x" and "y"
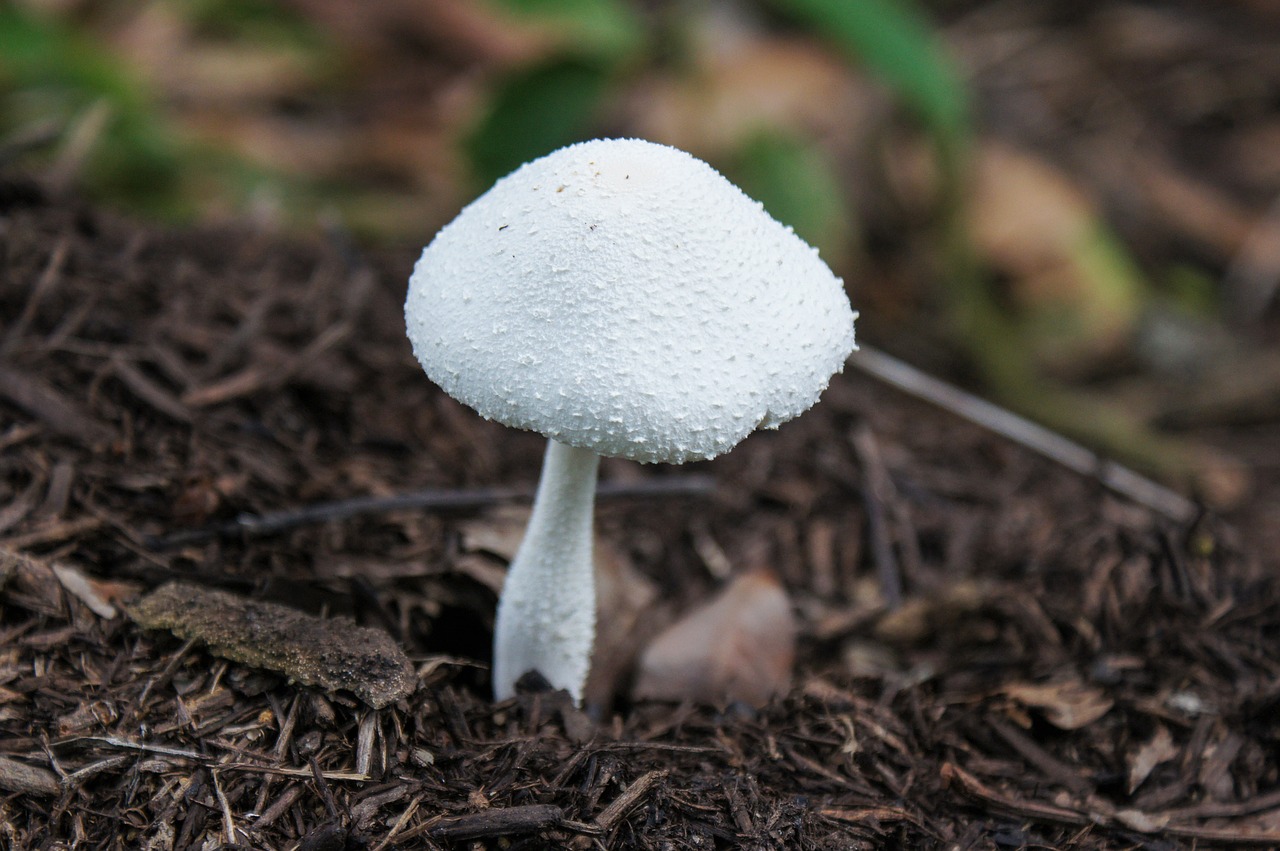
{"x": 1068, "y": 671}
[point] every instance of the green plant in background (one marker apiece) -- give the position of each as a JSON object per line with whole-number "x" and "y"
{"x": 589, "y": 55}
{"x": 260, "y": 22}
{"x": 557, "y": 100}
{"x": 51, "y": 74}
{"x": 114, "y": 133}
{"x": 798, "y": 185}
{"x": 895, "y": 42}
{"x": 534, "y": 112}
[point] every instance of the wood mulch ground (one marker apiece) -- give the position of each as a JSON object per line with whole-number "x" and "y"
{"x": 1067, "y": 670}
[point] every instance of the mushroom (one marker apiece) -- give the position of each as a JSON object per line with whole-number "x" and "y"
{"x": 622, "y": 298}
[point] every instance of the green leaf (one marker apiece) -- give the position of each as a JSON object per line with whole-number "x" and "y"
{"x": 605, "y": 30}
{"x": 798, "y": 185}
{"x": 534, "y": 112}
{"x": 895, "y": 41}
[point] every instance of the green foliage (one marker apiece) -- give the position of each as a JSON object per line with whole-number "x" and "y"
{"x": 797, "y": 184}
{"x": 604, "y": 30}
{"x": 537, "y": 109}
{"x": 895, "y": 41}
{"x": 50, "y": 73}
{"x": 1193, "y": 291}
{"x": 254, "y": 21}
{"x": 534, "y": 112}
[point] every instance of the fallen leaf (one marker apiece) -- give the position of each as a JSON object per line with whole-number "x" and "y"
{"x": 625, "y": 601}
{"x": 920, "y": 618}
{"x": 1066, "y": 704}
{"x": 499, "y": 532}
{"x": 1142, "y": 822}
{"x": 1078, "y": 290}
{"x": 79, "y": 586}
{"x": 738, "y": 646}
{"x": 1156, "y": 750}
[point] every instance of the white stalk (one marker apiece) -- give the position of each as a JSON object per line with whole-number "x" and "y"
{"x": 547, "y": 613}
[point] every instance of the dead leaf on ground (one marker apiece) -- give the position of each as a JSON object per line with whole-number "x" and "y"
{"x": 738, "y": 646}
{"x": 921, "y": 617}
{"x": 84, "y": 590}
{"x": 625, "y": 618}
{"x": 1079, "y": 292}
{"x": 1156, "y": 750}
{"x": 331, "y": 653}
{"x": 1066, "y": 704}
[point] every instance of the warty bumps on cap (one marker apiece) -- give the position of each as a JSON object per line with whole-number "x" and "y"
{"x": 623, "y": 297}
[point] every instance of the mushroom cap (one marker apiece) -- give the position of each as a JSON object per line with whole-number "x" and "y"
{"x": 623, "y": 297}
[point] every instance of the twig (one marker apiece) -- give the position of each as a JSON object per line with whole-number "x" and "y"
{"x": 272, "y": 523}
{"x": 228, "y": 822}
{"x": 1037, "y": 438}
{"x": 195, "y": 756}
{"x": 1052, "y": 767}
{"x": 278, "y": 807}
{"x": 875, "y": 483}
{"x": 499, "y": 821}
{"x": 326, "y": 794}
{"x": 52, "y": 407}
{"x": 400, "y": 822}
{"x": 1252, "y": 279}
{"x": 44, "y": 285}
{"x": 1034, "y": 810}
{"x": 621, "y": 805}
{"x": 1235, "y": 835}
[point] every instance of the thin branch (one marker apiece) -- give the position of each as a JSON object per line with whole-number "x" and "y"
{"x": 275, "y": 522}
{"x": 1037, "y": 438}
{"x": 875, "y": 488}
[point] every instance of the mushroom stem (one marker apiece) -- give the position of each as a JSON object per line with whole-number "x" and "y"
{"x": 547, "y": 613}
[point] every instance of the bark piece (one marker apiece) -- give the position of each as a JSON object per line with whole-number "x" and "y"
{"x": 331, "y": 653}
{"x": 19, "y": 777}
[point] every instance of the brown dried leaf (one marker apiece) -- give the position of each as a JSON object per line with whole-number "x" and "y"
{"x": 1032, "y": 222}
{"x": 1156, "y": 750}
{"x": 625, "y": 601}
{"x": 332, "y": 653}
{"x": 1142, "y": 822}
{"x": 82, "y": 588}
{"x": 919, "y": 618}
{"x": 739, "y": 646}
{"x": 1067, "y": 704}
{"x": 499, "y": 532}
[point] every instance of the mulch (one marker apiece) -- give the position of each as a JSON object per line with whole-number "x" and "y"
{"x": 1066, "y": 670}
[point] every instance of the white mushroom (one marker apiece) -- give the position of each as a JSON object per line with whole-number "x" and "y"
{"x": 623, "y": 299}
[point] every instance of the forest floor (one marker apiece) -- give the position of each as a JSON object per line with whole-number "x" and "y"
{"x": 1065, "y": 670}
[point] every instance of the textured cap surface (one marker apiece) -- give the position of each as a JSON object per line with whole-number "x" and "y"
{"x": 623, "y": 297}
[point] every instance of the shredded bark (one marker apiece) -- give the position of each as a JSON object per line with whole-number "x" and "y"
{"x": 1049, "y": 630}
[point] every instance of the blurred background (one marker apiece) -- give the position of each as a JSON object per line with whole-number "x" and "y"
{"x": 1071, "y": 207}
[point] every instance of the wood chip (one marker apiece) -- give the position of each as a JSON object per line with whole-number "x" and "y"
{"x": 330, "y": 653}
{"x": 19, "y": 777}
{"x": 52, "y": 407}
